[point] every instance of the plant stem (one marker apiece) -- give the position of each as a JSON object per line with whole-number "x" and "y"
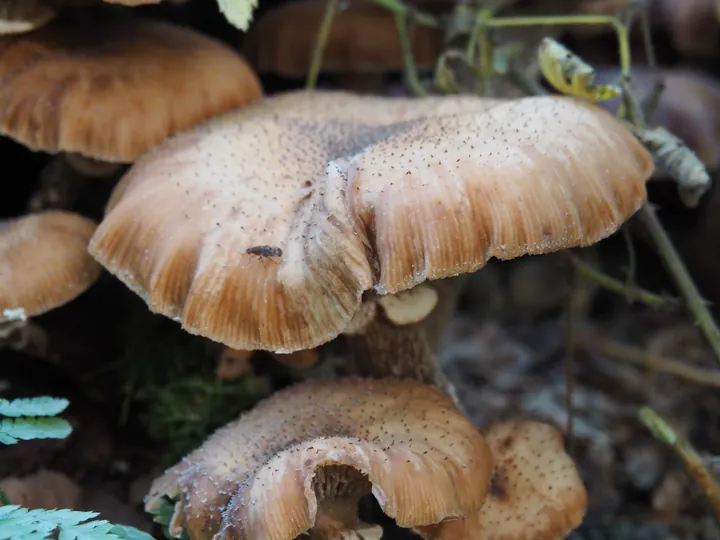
{"x": 399, "y": 8}
{"x": 656, "y": 362}
{"x": 691, "y": 459}
{"x": 325, "y": 27}
{"x": 411, "y": 76}
{"x": 685, "y": 284}
{"x": 613, "y": 285}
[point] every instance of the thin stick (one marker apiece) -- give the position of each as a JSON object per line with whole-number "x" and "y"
{"x": 325, "y": 27}
{"x": 682, "y": 278}
{"x": 411, "y": 75}
{"x": 417, "y": 17}
{"x": 694, "y": 465}
{"x": 570, "y": 315}
{"x": 613, "y": 285}
{"x": 656, "y": 362}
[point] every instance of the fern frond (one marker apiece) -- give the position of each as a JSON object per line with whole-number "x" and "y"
{"x": 32, "y": 418}
{"x": 19, "y": 523}
{"x": 36, "y": 406}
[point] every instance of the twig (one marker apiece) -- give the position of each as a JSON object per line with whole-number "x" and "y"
{"x": 613, "y": 285}
{"x": 636, "y": 355}
{"x": 325, "y": 27}
{"x": 681, "y": 276}
{"x": 691, "y": 459}
{"x": 570, "y": 345}
{"x": 411, "y": 75}
{"x": 414, "y": 15}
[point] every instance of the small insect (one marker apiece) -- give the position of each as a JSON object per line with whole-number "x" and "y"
{"x": 264, "y": 252}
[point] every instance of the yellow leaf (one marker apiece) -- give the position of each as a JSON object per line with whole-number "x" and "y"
{"x": 569, "y": 74}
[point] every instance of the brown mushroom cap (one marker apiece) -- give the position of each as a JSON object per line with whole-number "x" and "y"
{"x": 303, "y": 458}
{"x": 531, "y": 176}
{"x": 44, "y": 262}
{"x": 42, "y": 489}
{"x": 19, "y": 16}
{"x": 259, "y": 176}
{"x": 536, "y": 492}
{"x": 363, "y": 38}
{"x": 111, "y": 90}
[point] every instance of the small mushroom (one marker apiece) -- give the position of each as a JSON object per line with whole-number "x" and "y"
{"x": 19, "y": 16}
{"x": 42, "y": 489}
{"x": 113, "y": 89}
{"x": 535, "y": 494}
{"x": 44, "y": 262}
{"x": 362, "y": 45}
{"x": 301, "y": 460}
{"x": 110, "y": 89}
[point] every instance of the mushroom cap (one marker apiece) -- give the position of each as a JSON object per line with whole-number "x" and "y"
{"x": 111, "y": 90}
{"x": 260, "y": 176}
{"x": 19, "y": 16}
{"x": 44, "y": 262}
{"x": 254, "y": 478}
{"x": 536, "y": 492}
{"x": 363, "y": 38}
{"x": 530, "y": 176}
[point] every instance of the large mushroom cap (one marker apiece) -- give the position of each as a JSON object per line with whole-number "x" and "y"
{"x": 530, "y": 176}
{"x": 304, "y": 457}
{"x": 536, "y": 492}
{"x": 363, "y": 38}
{"x": 111, "y": 90}
{"x": 44, "y": 262}
{"x": 19, "y": 16}
{"x": 256, "y": 177}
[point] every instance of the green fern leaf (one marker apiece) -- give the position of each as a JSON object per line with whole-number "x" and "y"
{"x": 13, "y": 430}
{"x": 17, "y": 523}
{"x": 37, "y": 406}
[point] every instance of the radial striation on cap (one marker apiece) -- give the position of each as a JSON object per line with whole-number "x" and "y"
{"x": 527, "y": 177}
{"x": 363, "y": 38}
{"x": 536, "y": 492}
{"x": 303, "y": 458}
{"x": 113, "y": 89}
{"x": 265, "y": 179}
{"x": 19, "y": 16}
{"x": 44, "y": 262}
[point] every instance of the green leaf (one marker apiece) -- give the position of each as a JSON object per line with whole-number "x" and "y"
{"x": 13, "y": 430}
{"x": 37, "y": 406}
{"x": 17, "y": 523}
{"x": 238, "y": 12}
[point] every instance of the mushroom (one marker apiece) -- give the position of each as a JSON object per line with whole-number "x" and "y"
{"x": 535, "y": 493}
{"x": 112, "y": 89}
{"x": 281, "y": 216}
{"x": 19, "y": 16}
{"x": 362, "y": 45}
{"x": 44, "y": 263}
{"x": 301, "y": 460}
{"x": 42, "y": 489}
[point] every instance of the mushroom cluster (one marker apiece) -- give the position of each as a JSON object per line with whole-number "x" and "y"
{"x": 98, "y": 93}
{"x": 282, "y": 223}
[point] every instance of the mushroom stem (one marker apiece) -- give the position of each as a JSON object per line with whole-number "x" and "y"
{"x": 60, "y": 185}
{"x": 338, "y": 489}
{"x": 448, "y": 291}
{"x": 385, "y": 349}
